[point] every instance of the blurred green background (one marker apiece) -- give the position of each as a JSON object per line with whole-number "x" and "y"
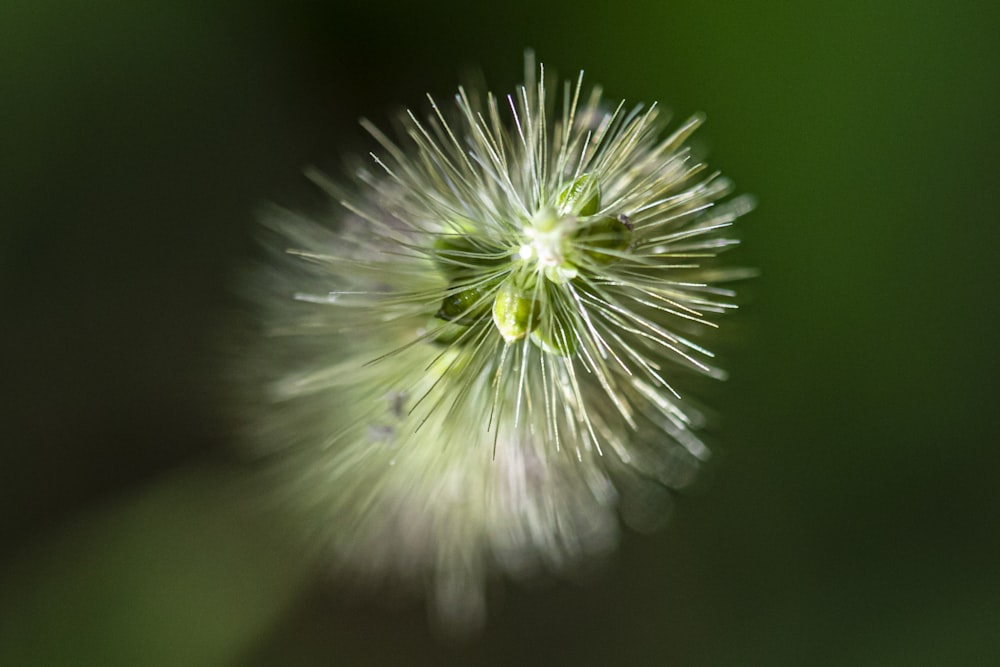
{"x": 852, "y": 517}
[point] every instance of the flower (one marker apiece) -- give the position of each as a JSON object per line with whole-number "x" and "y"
{"x": 470, "y": 365}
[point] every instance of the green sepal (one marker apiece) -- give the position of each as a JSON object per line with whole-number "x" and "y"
{"x": 582, "y": 197}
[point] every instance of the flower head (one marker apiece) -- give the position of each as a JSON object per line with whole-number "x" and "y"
{"x": 472, "y": 365}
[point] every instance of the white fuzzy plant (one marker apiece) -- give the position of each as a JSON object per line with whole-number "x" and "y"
{"x": 470, "y": 365}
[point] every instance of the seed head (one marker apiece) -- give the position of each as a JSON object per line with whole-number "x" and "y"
{"x": 471, "y": 365}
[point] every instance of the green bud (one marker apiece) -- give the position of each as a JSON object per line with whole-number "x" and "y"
{"x": 605, "y": 236}
{"x": 561, "y": 274}
{"x": 456, "y": 254}
{"x": 557, "y": 335}
{"x": 517, "y": 309}
{"x": 582, "y": 197}
{"x": 465, "y": 306}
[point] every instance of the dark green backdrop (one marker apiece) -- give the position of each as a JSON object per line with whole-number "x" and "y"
{"x": 852, "y": 517}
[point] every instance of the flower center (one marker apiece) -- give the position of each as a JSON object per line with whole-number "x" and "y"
{"x": 548, "y": 242}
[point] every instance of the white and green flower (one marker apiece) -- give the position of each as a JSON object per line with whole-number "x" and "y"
{"x": 471, "y": 364}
